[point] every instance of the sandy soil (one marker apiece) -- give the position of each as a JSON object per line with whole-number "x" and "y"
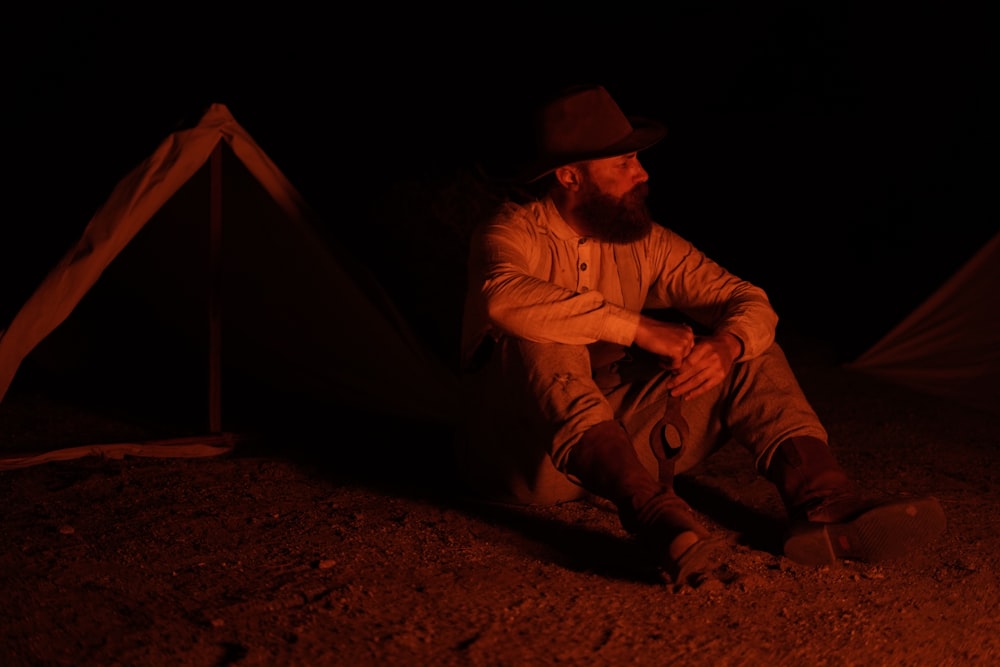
{"x": 295, "y": 552}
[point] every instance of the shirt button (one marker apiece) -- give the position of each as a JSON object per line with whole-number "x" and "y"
{"x": 583, "y": 267}
{"x": 584, "y": 289}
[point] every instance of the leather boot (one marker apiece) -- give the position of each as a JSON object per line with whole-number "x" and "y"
{"x": 829, "y": 520}
{"x": 605, "y": 463}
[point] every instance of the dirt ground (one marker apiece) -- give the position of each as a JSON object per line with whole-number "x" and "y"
{"x": 295, "y": 552}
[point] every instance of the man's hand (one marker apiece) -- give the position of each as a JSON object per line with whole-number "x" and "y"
{"x": 671, "y": 342}
{"x": 706, "y": 366}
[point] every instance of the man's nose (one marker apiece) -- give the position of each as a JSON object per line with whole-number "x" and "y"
{"x": 639, "y": 173}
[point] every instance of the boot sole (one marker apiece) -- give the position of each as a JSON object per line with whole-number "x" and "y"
{"x": 881, "y": 533}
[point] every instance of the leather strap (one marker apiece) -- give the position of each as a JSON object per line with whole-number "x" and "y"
{"x": 667, "y": 439}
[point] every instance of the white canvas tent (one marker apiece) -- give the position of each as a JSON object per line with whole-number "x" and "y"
{"x": 210, "y": 246}
{"x": 949, "y": 346}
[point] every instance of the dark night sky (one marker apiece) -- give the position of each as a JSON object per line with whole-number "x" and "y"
{"x": 839, "y": 155}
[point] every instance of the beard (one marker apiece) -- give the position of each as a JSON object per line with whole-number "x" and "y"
{"x": 615, "y": 219}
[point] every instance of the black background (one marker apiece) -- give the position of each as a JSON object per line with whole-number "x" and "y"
{"x": 839, "y": 154}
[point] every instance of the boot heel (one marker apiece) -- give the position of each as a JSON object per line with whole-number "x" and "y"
{"x": 809, "y": 544}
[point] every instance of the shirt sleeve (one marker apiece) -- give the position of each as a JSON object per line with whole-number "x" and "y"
{"x": 684, "y": 278}
{"x": 505, "y": 262}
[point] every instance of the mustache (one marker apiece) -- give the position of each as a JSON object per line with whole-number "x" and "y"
{"x": 638, "y": 193}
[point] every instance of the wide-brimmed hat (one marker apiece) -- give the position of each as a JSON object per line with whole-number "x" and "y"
{"x": 585, "y": 123}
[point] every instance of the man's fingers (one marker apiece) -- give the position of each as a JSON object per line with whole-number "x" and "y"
{"x": 670, "y": 364}
{"x": 691, "y": 384}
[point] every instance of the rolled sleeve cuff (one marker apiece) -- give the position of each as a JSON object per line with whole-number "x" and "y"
{"x": 754, "y": 340}
{"x": 619, "y": 325}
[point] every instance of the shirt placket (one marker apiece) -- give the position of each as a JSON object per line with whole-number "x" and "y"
{"x": 584, "y": 272}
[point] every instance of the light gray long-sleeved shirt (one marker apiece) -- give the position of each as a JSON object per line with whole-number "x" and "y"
{"x": 532, "y": 276}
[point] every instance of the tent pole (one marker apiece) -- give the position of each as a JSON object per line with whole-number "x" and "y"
{"x": 214, "y": 294}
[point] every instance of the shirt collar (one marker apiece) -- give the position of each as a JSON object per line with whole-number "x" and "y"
{"x": 557, "y": 225}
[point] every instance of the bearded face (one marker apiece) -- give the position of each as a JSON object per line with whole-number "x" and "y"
{"x": 614, "y": 219}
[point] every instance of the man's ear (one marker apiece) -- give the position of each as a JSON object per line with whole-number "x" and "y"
{"x": 568, "y": 177}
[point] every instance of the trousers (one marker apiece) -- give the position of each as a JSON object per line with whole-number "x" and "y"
{"x": 529, "y": 403}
